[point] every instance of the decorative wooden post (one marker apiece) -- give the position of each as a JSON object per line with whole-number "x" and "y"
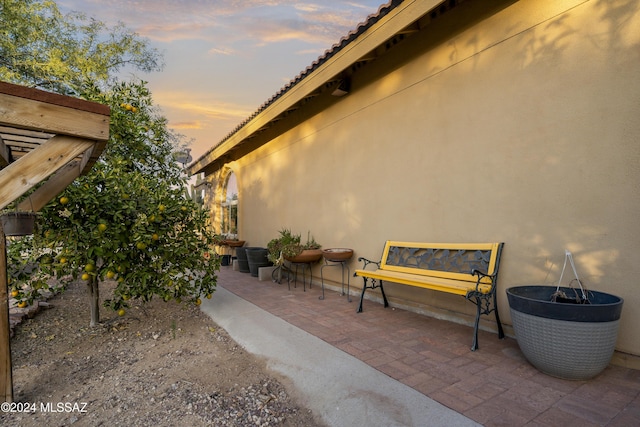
{"x": 6, "y": 379}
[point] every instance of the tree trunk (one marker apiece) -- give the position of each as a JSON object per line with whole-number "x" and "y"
{"x": 94, "y": 292}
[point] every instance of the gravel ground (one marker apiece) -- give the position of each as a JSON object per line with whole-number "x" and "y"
{"x": 162, "y": 364}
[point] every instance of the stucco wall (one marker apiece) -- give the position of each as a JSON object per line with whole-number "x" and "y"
{"x": 524, "y": 128}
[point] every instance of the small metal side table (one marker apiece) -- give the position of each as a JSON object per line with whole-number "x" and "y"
{"x": 294, "y": 268}
{"x": 337, "y": 257}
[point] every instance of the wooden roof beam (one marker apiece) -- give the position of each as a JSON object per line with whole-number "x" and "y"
{"x": 5, "y": 154}
{"x": 36, "y": 166}
{"x": 52, "y": 187}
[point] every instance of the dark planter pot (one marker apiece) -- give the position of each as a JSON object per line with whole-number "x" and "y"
{"x": 18, "y": 223}
{"x": 226, "y": 260}
{"x": 256, "y": 258}
{"x": 565, "y": 340}
{"x": 243, "y": 262}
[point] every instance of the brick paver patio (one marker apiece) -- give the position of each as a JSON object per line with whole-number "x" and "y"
{"x": 494, "y": 386}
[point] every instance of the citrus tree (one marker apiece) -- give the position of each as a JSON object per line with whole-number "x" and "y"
{"x": 25, "y": 279}
{"x": 129, "y": 219}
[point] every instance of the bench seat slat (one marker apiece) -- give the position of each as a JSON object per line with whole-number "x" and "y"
{"x": 451, "y": 286}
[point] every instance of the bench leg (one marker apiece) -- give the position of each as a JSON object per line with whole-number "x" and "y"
{"x": 484, "y": 306}
{"x": 364, "y": 288}
{"x": 384, "y": 297}
{"x": 495, "y": 308}
{"x": 474, "y": 345}
{"x": 373, "y": 286}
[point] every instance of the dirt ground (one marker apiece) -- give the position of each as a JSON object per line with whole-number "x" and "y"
{"x": 162, "y": 364}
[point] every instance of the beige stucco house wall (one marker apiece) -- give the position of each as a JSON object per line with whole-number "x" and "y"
{"x": 490, "y": 121}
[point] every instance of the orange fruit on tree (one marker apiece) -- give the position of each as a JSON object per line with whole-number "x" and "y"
{"x": 141, "y": 245}
{"x": 85, "y": 276}
{"x": 111, "y": 274}
{"x": 15, "y": 293}
{"x": 122, "y": 312}
{"x": 102, "y": 226}
{"x": 22, "y": 304}
{"x": 64, "y": 200}
{"x": 89, "y": 268}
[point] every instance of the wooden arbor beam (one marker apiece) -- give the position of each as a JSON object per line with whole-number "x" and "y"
{"x": 52, "y": 187}
{"x": 6, "y": 378}
{"x": 43, "y": 136}
{"x": 5, "y": 154}
{"x": 22, "y": 175}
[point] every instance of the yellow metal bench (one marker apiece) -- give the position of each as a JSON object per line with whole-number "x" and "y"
{"x": 468, "y": 269}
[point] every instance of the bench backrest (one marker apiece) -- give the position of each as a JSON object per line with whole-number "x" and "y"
{"x": 446, "y": 260}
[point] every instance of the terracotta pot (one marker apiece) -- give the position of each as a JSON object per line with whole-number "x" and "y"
{"x": 337, "y": 254}
{"x": 234, "y": 243}
{"x": 306, "y": 256}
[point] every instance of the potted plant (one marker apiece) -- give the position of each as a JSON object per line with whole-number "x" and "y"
{"x": 227, "y": 243}
{"x": 233, "y": 243}
{"x": 288, "y": 246}
{"x": 565, "y": 331}
{"x": 17, "y": 222}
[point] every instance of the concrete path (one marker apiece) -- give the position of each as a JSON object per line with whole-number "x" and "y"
{"x": 342, "y": 389}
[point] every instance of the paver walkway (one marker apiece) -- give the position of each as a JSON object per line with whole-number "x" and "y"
{"x": 494, "y": 386}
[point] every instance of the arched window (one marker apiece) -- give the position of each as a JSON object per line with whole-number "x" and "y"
{"x": 229, "y": 225}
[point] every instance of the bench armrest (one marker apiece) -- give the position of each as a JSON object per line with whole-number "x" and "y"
{"x": 367, "y": 262}
{"x": 482, "y": 275}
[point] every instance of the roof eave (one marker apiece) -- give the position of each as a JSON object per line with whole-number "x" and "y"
{"x": 391, "y": 19}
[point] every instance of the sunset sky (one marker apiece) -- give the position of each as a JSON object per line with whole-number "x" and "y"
{"x": 224, "y": 58}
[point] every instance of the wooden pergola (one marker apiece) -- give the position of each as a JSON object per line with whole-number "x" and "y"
{"x": 44, "y": 138}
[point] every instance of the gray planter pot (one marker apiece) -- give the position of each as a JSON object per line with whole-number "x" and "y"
{"x": 570, "y": 341}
